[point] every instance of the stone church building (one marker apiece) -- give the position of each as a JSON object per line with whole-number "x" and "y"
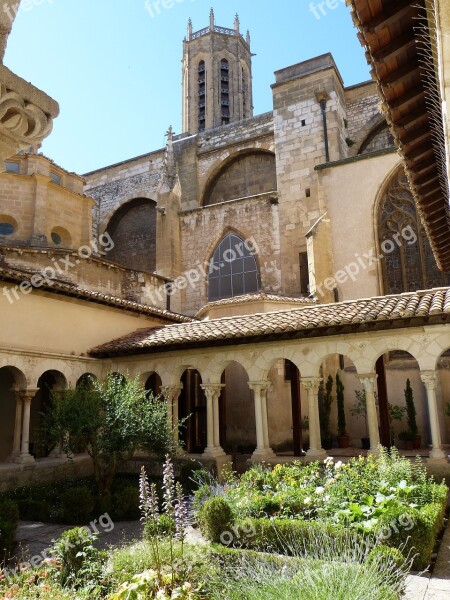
{"x": 237, "y": 268}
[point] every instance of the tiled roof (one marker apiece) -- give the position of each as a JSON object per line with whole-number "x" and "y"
{"x": 257, "y": 297}
{"x": 70, "y": 289}
{"x": 385, "y": 312}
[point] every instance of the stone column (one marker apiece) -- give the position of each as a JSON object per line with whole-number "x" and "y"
{"x": 429, "y": 379}
{"x": 17, "y": 426}
{"x": 212, "y": 392}
{"x": 24, "y": 456}
{"x": 263, "y": 449}
{"x": 369, "y": 382}
{"x": 172, "y": 395}
{"x": 311, "y": 384}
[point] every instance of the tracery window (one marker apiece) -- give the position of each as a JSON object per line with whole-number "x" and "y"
{"x": 233, "y": 270}
{"x": 408, "y": 262}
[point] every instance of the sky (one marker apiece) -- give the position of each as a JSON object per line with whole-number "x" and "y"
{"x": 114, "y": 66}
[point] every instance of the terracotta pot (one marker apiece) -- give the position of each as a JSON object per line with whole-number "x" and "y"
{"x": 417, "y": 442}
{"x": 343, "y": 441}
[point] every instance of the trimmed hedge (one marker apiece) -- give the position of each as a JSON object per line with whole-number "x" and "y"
{"x": 9, "y": 518}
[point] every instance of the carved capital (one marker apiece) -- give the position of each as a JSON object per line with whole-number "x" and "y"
{"x": 429, "y": 379}
{"x": 260, "y": 387}
{"x": 26, "y": 396}
{"x": 170, "y": 392}
{"x": 311, "y": 383}
{"x": 212, "y": 390}
{"x": 368, "y": 381}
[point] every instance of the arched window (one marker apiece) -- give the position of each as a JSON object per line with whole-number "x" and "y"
{"x": 225, "y": 91}
{"x": 233, "y": 270}
{"x": 408, "y": 263}
{"x": 201, "y": 95}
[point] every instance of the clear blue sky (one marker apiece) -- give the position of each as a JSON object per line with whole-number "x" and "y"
{"x": 116, "y": 70}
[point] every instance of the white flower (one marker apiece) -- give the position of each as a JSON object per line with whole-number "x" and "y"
{"x": 320, "y": 490}
{"x": 307, "y": 500}
{"x": 326, "y": 498}
{"x": 338, "y": 465}
{"x": 328, "y": 461}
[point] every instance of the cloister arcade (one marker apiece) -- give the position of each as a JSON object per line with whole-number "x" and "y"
{"x": 232, "y": 397}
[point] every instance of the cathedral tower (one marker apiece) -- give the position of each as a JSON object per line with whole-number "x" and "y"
{"x": 217, "y": 77}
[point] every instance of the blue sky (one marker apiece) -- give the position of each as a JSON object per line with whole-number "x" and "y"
{"x": 116, "y": 70}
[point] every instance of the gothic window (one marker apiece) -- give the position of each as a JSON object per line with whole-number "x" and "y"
{"x": 408, "y": 263}
{"x": 201, "y": 95}
{"x": 233, "y": 270}
{"x": 225, "y": 91}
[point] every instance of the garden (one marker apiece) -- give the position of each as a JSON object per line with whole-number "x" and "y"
{"x": 347, "y": 531}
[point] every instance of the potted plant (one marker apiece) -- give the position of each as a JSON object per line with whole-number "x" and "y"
{"x": 305, "y": 427}
{"x": 395, "y": 414}
{"x": 360, "y": 410}
{"x": 408, "y": 438}
{"x": 343, "y": 438}
{"x": 325, "y": 402}
{"x": 411, "y": 416}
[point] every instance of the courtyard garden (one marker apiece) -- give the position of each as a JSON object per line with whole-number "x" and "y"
{"x": 330, "y": 530}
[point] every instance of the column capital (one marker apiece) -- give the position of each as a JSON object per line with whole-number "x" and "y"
{"x": 368, "y": 380}
{"x": 28, "y": 394}
{"x": 429, "y": 379}
{"x": 260, "y": 386}
{"x": 171, "y": 391}
{"x": 212, "y": 390}
{"x": 311, "y": 383}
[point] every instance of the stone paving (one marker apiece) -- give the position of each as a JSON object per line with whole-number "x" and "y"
{"x": 436, "y": 587}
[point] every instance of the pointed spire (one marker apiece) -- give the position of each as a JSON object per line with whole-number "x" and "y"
{"x": 189, "y": 36}
{"x": 236, "y": 23}
{"x": 248, "y": 39}
{"x": 211, "y": 20}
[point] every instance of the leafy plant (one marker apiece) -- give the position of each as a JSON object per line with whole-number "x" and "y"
{"x": 396, "y": 413}
{"x": 359, "y": 409}
{"x": 111, "y": 419}
{"x": 215, "y": 518}
{"x": 410, "y": 409}
{"x": 340, "y": 406}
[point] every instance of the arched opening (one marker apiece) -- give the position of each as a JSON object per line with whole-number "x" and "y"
{"x": 233, "y": 270}
{"x": 10, "y": 380}
{"x": 225, "y": 91}
{"x": 192, "y": 409}
{"x": 394, "y": 370}
{"x": 49, "y": 383}
{"x": 60, "y": 237}
{"x": 87, "y": 381}
{"x": 237, "y": 412}
{"x": 133, "y": 231}
{"x": 153, "y": 384}
{"x": 201, "y": 95}
{"x": 248, "y": 174}
{"x": 408, "y": 262}
{"x": 443, "y": 395}
{"x": 287, "y": 417}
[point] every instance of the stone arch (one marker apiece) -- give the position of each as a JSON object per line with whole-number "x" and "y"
{"x": 371, "y": 127}
{"x": 103, "y": 226}
{"x": 11, "y": 379}
{"x": 132, "y": 228}
{"x": 249, "y": 172}
{"x": 49, "y": 382}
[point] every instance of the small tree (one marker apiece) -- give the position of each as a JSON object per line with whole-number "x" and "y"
{"x": 342, "y": 426}
{"x": 359, "y": 409}
{"x": 111, "y": 419}
{"x": 410, "y": 409}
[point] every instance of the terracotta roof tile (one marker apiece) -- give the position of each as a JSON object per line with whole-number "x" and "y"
{"x": 316, "y": 320}
{"x": 258, "y": 296}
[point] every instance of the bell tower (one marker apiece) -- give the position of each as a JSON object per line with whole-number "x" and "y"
{"x": 217, "y": 77}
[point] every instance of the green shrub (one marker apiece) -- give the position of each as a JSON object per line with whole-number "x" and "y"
{"x": 77, "y": 505}
{"x": 215, "y": 518}
{"x": 9, "y": 517}
{"x": 34, "y": 510}
{"x": 387, "y": 556}
{"x": 163, "y": 527}
{"x": 126, "y": 504}
{"x": 77, "y": 561}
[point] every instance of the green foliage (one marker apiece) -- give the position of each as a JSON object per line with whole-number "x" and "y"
{"x": 74, "y": 558}
{"x": 387, "y": 556}
{"x": 215, "y": 518}
{"x": 77, "y": 505}
{"x": 359, "y": 409}
{"x": 410, "y": 409}
{"x": 111, "y": 419}
{"x": 325, "y": 404}
{"x": 396, "y": 413}
{"x": 126, "y": 504}
{"x": 9, "y": 518}
{"x": 342, "y": 427}
{"x": 163, "y": 526}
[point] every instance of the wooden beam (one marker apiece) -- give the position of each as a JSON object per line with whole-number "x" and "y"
{"x": 400, "y": 74}
{"x": 419, "y": 152}
{"x": 424, "y": 166}
{"x": 395, "y": 11}
{"x": 427, "y": 176}
{"x": 415, "y": 135}
{"x": 407, "y": 98}
{"x": 398, "y": 46}
{"x": 426, "y": 181}
{"x": 412, "y": 118}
